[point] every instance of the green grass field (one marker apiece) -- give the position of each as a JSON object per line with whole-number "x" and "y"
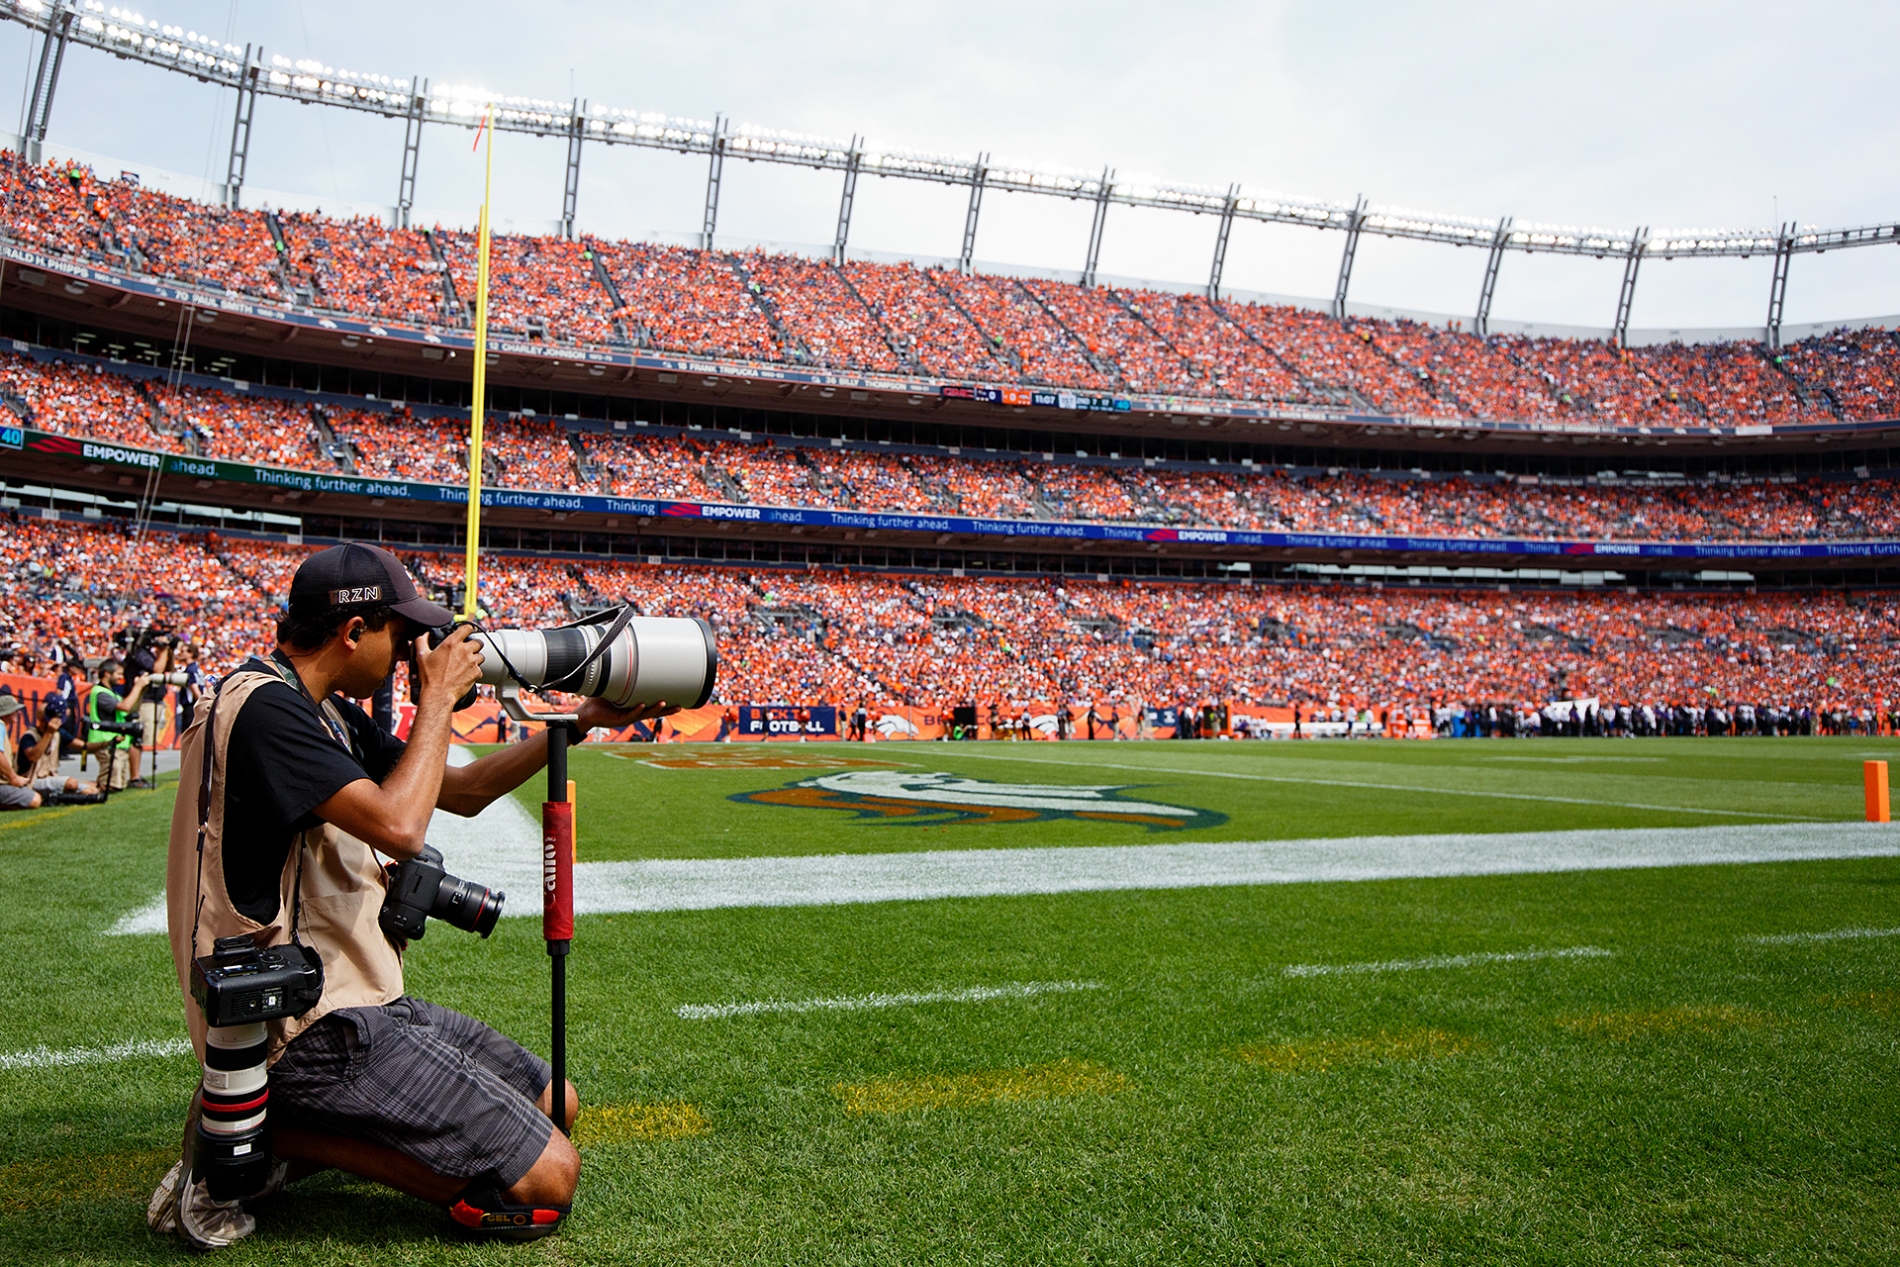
{"x": 1693, "y": 1095}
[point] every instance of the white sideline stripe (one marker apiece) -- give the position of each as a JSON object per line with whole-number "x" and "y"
{"x": 863, "y": 1002}
{"x": 49, "y": 1058}
{"x": 674, "y": 884}
{"x": 1394, "y": 787}
{"x": 1443, "y": 961}
{"x": 1838, "y": 934}
{"x": 507, "y": 857}
{"x": 499, "y": 847}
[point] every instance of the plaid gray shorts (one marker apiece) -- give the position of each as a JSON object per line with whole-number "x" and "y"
{"x": 450, "y": 1092}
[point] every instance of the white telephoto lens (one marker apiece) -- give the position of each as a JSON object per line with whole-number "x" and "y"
{"x": 652, "y": 659}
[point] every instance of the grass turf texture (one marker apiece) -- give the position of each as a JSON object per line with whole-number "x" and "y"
{"x": 1695, "y": 1097}
{"x": 629, "y": 808}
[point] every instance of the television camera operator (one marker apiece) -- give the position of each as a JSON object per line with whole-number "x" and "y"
{"x": 107, "y": 720}
{"x": 147, "y": 671}
{"x": 278, "y": 840}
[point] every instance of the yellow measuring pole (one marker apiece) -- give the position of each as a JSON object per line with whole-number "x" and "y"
{"x": 478, "y": 409}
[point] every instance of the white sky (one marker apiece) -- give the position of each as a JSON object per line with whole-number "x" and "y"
{"x": 1616, "y": 114}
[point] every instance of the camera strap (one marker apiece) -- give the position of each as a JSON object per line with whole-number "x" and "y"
{"x": 204, "y": 816}
{"x": 621, "y": 620}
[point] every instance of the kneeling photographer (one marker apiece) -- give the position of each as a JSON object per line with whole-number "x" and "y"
{"x": 287, "y": 793}
{"x": 29, "y": 770}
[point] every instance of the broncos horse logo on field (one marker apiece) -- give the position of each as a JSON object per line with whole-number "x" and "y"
{"x": 927, "y": 799}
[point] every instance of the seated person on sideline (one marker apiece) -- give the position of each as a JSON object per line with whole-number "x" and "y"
{"x": 30, "y": 769}
{"x": 304, "y": 793}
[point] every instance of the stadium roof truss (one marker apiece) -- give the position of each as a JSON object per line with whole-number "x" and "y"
{"x": 127, "y": 34}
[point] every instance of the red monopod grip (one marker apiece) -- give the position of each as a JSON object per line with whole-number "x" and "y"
{"x": 557, "y": 870}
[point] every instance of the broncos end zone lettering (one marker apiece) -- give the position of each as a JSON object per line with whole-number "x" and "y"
{"x": 929, "y": 799}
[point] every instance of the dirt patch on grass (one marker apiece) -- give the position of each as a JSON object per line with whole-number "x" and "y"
{"x": 49, "y": 1181}
{"x": 1317, "y": 1055}
{"x": 1880, "y": 1002}
{"x": 996, "y": 1086}
{"x": 1706, "y": 1018}
{"x": 625, "y": 1123}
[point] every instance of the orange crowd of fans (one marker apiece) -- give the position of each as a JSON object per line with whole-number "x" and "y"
{"x": 82, "y": 398}
{"x": 896, "y": 318}
{"x": 361, "y": 265}
{"x": 929, "y": 639}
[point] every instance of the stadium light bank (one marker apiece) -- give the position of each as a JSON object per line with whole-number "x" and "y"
{"x": 128, "y": 33}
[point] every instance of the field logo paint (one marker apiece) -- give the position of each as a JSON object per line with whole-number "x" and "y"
{"x": 927, "y": 799}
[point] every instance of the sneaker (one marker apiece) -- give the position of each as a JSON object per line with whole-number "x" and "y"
{"x": 183, "y": 1203}
{"x": 205, "y": 1223}
{"x": 142, "y": 785}
{"x": 161, "y": 1214}
{"x": 490, "y": 1216}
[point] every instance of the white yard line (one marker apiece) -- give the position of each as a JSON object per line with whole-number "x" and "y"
{"x": 1391, "y": 787}
{"x": 672, "y": 884}
{"x": 863, "y": 1002}
{"x": 501, "y": 848}
{"x": 137, "y": 1049}
{"x": 504, "y": 852}
{"x": 1442, "y": 961}
{"x": 1838, "y": 934}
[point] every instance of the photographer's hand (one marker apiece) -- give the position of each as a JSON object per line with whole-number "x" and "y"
{"x": 394, "y": 818}
{"x": 469, "y": 789}
{"x": 448, "y": 669}
{"x": 598, "y": 713}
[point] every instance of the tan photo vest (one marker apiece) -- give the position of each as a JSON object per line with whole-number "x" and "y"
{"x": 342, "y": 883}
{"x": 48, "y": 764}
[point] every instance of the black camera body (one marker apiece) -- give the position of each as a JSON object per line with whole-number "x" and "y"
{"x": 237, "y": 983}
{"x": 420, "y": 888}
{"x": 239, "y": 986}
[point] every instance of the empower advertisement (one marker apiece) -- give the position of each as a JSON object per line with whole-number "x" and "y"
{"x": 1600, "y": 553}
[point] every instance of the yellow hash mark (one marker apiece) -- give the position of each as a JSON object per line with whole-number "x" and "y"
{"x": 1883, "y": 1002}
{"x": 1620, "y": 1027}
{"x": 1320, "y": 1054}
{"x": 47, "y": 1181}
{"x": 1065, "y": 1077}
{"x": 42, "y": 816}
{"x": 620, "y": 1123}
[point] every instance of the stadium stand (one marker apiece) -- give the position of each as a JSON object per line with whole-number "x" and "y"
{"x": 79, "y": 397}
{"x": 434, "y": 450}
{"x": 821, "y": 314}
{"x": 894, "y": 318}
{"x": 361, "y": 266}
{"x": 537, "y": 287}
{"x": 832, "y": 636}
{"x": 677, "y": 300}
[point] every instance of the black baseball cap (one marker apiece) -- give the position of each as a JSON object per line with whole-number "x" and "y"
{"x": 348, "y": 579}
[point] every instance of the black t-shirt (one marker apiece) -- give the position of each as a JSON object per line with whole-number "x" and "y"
{"x": 283, "y": 761}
